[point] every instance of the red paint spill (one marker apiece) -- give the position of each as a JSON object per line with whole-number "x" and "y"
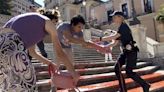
{"x": 114, "y": 84}
{"x": 156, "y": 85}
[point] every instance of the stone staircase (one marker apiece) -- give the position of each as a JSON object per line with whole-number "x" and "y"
{"x": 98, "y": 76}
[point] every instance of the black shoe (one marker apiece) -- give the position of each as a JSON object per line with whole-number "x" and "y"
{"x": 45, "y": 55}
{"x": 119, "y": 90}
{"x": 146, "y": 88}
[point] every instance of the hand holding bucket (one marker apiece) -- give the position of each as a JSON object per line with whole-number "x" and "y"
{"x": 61, "y": 79}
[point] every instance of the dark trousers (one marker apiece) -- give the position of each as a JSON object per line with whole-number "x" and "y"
{"x": 130, "y": 59}
{"x": 41, "y": 48}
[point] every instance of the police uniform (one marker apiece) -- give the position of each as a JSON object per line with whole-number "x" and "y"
{"x": 128, "y": 56}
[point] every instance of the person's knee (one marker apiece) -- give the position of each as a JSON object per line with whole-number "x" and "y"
{"x": 116, "y": 69}
{"x": 129, "y": 72}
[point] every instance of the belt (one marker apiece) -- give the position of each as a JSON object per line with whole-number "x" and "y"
{"x": 129, "y": 46}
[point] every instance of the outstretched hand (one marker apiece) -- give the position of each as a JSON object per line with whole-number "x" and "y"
{"x": 53, "y": 66}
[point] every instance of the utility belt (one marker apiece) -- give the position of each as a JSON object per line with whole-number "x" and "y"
{"x": 132, "y": 46}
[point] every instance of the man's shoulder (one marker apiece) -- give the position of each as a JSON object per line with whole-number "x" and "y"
{"x": 124, "y": 25}
{"x": 64, "y": 26}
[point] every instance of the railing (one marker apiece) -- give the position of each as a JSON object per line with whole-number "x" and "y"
{"x": 155, "y": 48}
{"x": 4, "y": 19}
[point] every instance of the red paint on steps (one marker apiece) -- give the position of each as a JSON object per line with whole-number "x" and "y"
{"x": 81, "y": 70}
{"x": 154, "y": 86}
{"x": 113, "y": 84}
{"x": 106, "y": 75}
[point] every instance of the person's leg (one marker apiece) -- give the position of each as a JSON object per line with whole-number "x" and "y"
{"x": 16, "y": 71}
{"x": 106, "y": 57}
{"x": 131, "y": 64}
{"x": 120, "y": 62}
{"x": 110, "y": 56}
{"x": 41, "y": 48}
{"x": 69, "y": 53}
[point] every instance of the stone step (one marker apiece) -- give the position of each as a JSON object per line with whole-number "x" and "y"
{"x": 89, "y": 55}
{"x": 36, "y": 61}
{"x": 113, "y": 86}
{"x": 90, "y": 60}
{"x": 100, "y": 70}
{"x": 93, "y": 70}
{"x": 87, "y": 52}
{"x": 97, "y": 78}
{"x": 155, "y": 87}
{"x": 84, "y": 50}
{"x": 45, "y": 84}
{"x": 92, "y": 51}
{"x": 77, "y": 59}
{"x": 78, "y": 65}
{"x": 92, "y": 56}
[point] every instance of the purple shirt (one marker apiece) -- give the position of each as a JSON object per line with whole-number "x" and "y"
{"x": 30, "y": 27}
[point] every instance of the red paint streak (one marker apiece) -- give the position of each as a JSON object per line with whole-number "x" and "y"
{"x": 114, "y": 84}
{"x": 154, "y": 86}
{"x": 82, "y": 70}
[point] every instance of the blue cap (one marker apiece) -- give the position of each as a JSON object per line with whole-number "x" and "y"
{"x": 118, "y": 13}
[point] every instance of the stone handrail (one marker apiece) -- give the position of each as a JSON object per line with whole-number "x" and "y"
{"x": 155, "y": 48}
{"x": 4, "y": 19}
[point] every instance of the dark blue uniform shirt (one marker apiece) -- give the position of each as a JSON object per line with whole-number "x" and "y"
{"x": 126, "y": 35}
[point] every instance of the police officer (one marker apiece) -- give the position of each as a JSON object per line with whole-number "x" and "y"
{"x": 128, "y": 53}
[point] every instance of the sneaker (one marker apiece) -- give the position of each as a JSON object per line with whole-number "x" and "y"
{"x": 146, "y": 88}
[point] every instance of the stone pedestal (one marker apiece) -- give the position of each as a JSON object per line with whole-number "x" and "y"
{"x": 160, "y": 29}
{"x": 87, "y": 35}
{"x": 139, "y": 35}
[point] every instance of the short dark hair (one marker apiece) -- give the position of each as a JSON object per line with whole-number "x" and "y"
{"x": 77, "y": 19}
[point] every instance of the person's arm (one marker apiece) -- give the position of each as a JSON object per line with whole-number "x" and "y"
{"x": 72, "y": 39}
{"x": 61, "y": 56}
{"x": 38, "y": 56}
{"x": 114, "y": 43}
{"x": 77, "y": 40}
{"x": 109, "y": 38}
